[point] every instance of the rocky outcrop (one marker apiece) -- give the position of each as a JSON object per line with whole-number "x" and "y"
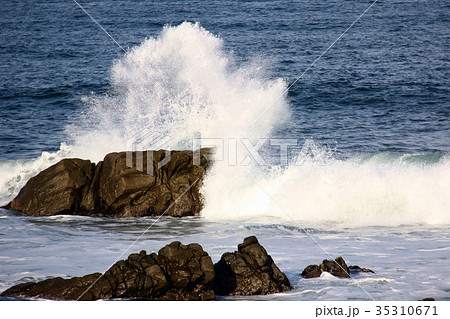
{"x": 178, "y": 272}
{"x": 57, "y": 190}
{"x": 337, "y": 268}
{"x": 116, "y": 187}
{"x": 249, "y": 271}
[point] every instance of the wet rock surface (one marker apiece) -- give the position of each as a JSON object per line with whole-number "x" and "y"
{"x": 337, "y": 268}
{"x": 357, "y": 269}
{"x": 118, "y": 187}
{"x": 249, "y": 271}
{"x": 177, "y": 272}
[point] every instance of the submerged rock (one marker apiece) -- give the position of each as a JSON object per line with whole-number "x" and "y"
{"x": 113, "y": 188}
{"x": 178, "y": 272}
{"x": 337, "y": 268}
{"x": 359, "y": 269}
{"x": 249, "y": 271}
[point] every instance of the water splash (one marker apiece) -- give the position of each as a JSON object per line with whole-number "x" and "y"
{"x": 183, "y": 84}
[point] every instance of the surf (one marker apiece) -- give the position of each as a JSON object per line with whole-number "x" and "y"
{"x": 184, "y": 85}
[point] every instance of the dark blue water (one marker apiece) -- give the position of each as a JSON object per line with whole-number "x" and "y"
{"x": 383, "y": 87}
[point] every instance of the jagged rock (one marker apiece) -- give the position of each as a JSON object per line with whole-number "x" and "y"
{"x": 336, "y": 267}
{"x": 190, "y": 271}
{"x": 178, "y": 272}
{"x": 312, "y": 271}
{"x": 116, "y": 187}
{"x": 249, "y": 271}
{"x": 56, "y": 190}
{"x": 356, "y": 268}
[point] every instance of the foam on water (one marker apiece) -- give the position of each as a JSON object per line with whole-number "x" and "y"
{"x": 14, "y": 174}
{"x": 345, "y": 192}
{"x": 183, "y": 84}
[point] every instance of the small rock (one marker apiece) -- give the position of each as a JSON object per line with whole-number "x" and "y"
{"x": 359, "y": 269}
{"x": 311, "y": 271}
{"x": 337, "y": 268}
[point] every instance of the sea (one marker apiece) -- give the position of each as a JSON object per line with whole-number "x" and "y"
{"x": 330, "y": 119}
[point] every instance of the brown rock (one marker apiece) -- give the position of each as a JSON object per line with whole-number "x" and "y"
{"x": 56, "y": 190}
{"x": 249, "y": 271}
{"x": 178, "y": 272}
{"x": 115, "y": 188}
{"x": 337, "y": 268}
{"x": 356, "y": 268}
{"x": 312, "y": 271}
{"x": 190, "y": 271}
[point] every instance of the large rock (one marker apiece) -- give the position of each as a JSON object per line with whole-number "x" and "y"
{"x": 57, "y": 190}
{"x": 117, "y": 187}
{"x": 249, "y": 271}
{"x": 178, "y": 272}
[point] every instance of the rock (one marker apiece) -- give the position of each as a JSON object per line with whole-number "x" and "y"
{"x": 359, "y": 269}
{"x": 116, "y": 187}
{"x": 249, "y": 271}
{"x": 312, "y": 271}
{"x": 337, "y": 268}
{"x": 178, "y": 272}
{"x": 56, "y": 190}
{"x": 427, "y": 299}
{"x": 189, "y": 270}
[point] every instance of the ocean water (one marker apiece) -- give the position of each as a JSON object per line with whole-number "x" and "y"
{"x": 368, "y": 178}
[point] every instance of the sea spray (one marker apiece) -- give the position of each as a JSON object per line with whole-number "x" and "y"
{"x": 184, "y": 85}
{"x": 14, "y": 174}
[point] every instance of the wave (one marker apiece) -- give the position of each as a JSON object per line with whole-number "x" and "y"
{"x": 350, "y": 193}
{"x": 184, "y": 85}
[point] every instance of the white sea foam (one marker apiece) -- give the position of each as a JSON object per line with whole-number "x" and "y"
{"x": 183, "y": 84}
{"x": 337, "y": 191}
{"x": 14, "y": 174}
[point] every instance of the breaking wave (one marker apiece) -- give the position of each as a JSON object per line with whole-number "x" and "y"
{"x": 184, "y": 85}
